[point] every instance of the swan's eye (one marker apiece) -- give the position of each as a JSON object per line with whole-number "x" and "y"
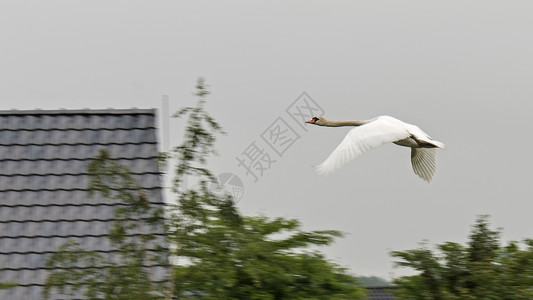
{"x": 315, "y": 118}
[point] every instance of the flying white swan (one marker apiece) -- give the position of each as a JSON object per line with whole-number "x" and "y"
{"x": 375, "y": 132}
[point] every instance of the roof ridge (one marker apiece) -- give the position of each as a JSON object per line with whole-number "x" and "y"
{"x": 85, "y": 111}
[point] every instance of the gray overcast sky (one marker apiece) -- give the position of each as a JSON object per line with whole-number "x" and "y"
{"x": 461, "y": 70}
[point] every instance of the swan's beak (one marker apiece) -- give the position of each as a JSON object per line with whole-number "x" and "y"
{"x": 310, "y": 121}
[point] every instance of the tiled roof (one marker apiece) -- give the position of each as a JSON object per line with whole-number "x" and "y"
{"x": 381, "y": 292}
{"x": 43, "y": 185}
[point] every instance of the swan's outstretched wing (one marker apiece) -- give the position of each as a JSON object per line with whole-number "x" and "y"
{"x": 361, "y": 139}
{"x": 424, "y": 162}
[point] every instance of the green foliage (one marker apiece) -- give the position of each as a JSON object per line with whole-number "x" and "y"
{"x": 223, "y": 255}
{"x": 250, "y": 260}
{"x": 481, "y": 270}
{"x": 199, "y": 139}
{"x": 7, "y": 285}
{"x": 124, "y": 275}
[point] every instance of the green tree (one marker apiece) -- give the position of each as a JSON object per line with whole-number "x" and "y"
{"x": 224, "y": 255}
{"x": 483, "y": 269}
{"x": 123, "y": 276}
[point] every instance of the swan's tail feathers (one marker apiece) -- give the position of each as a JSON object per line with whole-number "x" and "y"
{"x": 424, "y": 161}
{"x": 438, "y": 144}
{"x": 323, "y": 169}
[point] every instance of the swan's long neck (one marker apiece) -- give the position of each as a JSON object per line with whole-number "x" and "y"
{"x": 329, "y": 123}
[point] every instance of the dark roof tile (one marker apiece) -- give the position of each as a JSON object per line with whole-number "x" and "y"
{"x": 43, "y": 185}
{"x": 381, "y": 292}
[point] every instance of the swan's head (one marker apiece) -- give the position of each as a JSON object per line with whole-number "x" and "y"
{"x": 317, "y": 121}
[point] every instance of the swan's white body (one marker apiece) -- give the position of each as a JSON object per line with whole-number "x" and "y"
{"x": 372, "y": 133}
